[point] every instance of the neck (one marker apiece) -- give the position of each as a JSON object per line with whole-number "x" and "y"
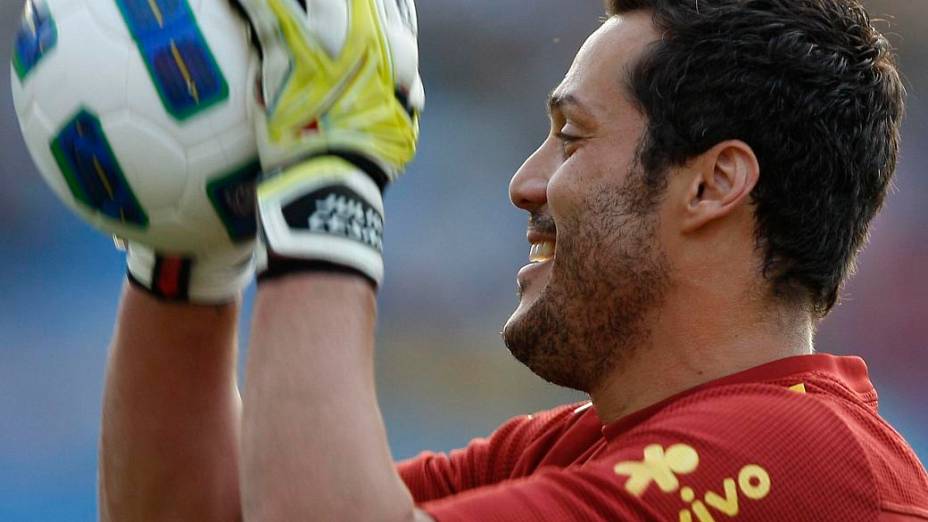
{"x": 686, "y": 346}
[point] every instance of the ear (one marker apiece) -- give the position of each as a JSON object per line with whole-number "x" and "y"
{"x": 724, "y": 177}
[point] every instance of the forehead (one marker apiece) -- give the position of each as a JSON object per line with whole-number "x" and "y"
{"x": 596, "y": 78}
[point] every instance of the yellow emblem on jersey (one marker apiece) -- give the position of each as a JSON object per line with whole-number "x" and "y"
{"x": 663, "y": 467}
{"x": 660, "y": 467}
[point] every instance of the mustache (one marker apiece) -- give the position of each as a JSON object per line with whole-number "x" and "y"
{"x": 542, "y": 223}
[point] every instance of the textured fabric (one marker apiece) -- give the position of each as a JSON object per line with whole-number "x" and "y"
{"x": 796, "y": 439}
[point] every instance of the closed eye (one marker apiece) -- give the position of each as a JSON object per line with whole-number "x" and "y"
{"x": 566, "y": 141}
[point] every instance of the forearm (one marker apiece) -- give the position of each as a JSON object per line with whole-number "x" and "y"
{"x": 171, "y": 414}
{"x": 314, "y": 444}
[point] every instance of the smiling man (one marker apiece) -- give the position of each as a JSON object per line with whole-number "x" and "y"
{"x": 648, "y": 273}
{"x": 709, "y": 177}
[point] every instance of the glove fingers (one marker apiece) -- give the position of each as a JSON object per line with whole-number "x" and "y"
{"x": 401, "y": 28}
{"x": 326, "y": 57}
{"x": 341, "y": 75}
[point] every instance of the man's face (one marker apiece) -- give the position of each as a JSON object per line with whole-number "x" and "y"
{"x": 597, "y": 266}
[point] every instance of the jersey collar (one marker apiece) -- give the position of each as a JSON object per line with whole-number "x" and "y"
{"x": 849, "y": 370}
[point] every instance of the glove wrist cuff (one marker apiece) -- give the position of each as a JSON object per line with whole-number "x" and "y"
{"x": 197, "y": 279}
{"x": 323, "y": 214}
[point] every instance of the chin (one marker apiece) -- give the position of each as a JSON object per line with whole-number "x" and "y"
{"x": 524, "y": 306}
{"x": 538, "y": 338}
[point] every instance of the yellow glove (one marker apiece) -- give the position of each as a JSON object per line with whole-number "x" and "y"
{"x": 342, "y": 97}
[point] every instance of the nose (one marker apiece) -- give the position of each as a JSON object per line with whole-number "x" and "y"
{"x": 528, "y": 187}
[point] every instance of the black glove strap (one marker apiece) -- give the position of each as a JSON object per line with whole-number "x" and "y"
{"x": 280, "y": 267}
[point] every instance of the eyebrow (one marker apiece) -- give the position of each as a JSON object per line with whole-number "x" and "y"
{"x": 558, "y": 101}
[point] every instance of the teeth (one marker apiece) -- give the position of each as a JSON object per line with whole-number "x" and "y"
{"x": 541, "y": 251}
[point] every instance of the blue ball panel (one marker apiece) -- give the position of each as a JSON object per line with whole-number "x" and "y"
{"x": 36, "y": 37}
{"x": 92, "y": 171}
{"x": 179, "y": 60}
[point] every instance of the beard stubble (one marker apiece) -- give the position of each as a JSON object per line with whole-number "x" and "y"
{"x": 608, "y": 275}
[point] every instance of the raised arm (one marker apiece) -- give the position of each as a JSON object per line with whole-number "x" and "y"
{"x": 171, "y": 413}
{"x": 314, "y": 440}
{"x": 341, "y": 78}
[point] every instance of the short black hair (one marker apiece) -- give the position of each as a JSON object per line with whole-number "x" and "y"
{"x": 812, "y": 87}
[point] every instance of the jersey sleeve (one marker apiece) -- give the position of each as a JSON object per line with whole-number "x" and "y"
{"x": 763, "y": 454}
{"x": 484, "y": 462}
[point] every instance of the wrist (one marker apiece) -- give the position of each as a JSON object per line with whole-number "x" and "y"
{"x": 202, "y": 278}
{"x": 324, "y": 214}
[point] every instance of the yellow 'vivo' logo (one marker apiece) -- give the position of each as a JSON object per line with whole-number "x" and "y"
{"x": 662, "y": 468}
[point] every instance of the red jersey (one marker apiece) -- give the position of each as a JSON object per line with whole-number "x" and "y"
{"x": 795, "y": 439}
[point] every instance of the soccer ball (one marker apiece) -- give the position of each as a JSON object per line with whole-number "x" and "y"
{"x": 135, "y": 113}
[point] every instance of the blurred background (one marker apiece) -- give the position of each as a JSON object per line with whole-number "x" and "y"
{"x": 454, "y": 245}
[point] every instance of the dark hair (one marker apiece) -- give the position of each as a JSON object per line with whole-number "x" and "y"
{"x": 812, "y": 87}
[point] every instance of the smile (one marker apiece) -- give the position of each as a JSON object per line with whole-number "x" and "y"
{"x": 541, "y": 251}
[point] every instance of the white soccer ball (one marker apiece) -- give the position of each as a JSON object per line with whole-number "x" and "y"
{"x": 136, "y": 114}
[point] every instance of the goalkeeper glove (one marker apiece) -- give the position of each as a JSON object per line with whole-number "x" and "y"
{"x": 210, "y": 277}
{"x": 338, "y": 122}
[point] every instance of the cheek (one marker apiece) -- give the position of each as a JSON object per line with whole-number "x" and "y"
{"x": 576, "y": 184}
{"x": 565, "y": 192}
{"x": 558, "y": 196}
